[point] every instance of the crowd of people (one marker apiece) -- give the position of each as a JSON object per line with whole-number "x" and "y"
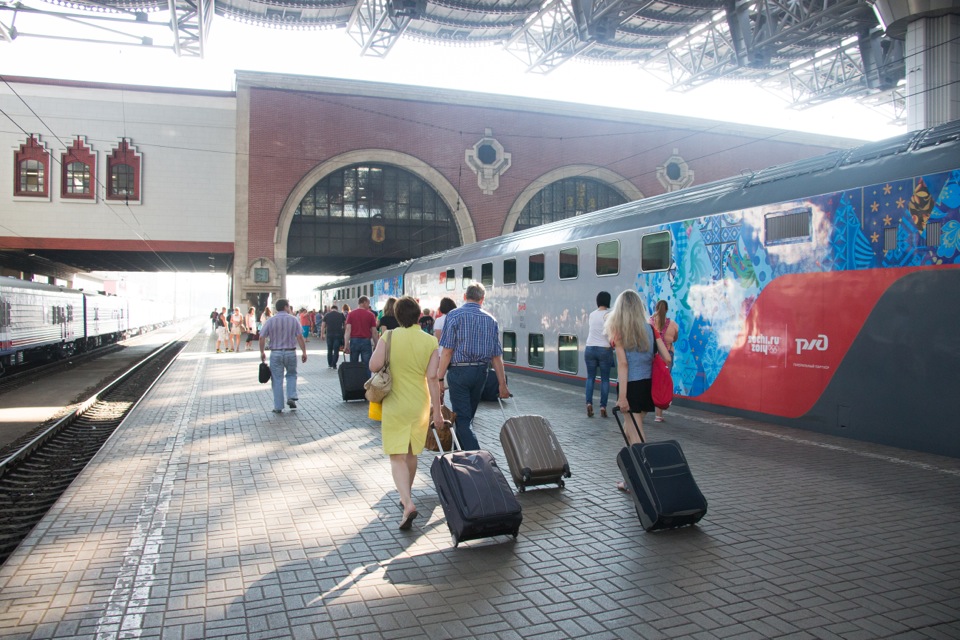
{"x": 450, "y": 352}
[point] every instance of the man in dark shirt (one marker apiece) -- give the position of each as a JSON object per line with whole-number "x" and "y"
{"x": 331, "y": 328}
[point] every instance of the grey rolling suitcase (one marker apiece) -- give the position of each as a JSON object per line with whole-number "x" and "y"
{"x": 663, "y": 489}
{"x": 533, "y": 453}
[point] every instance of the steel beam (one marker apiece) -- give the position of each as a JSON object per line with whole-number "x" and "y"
{"x": 563, "y": 29}
{"x": 375, "y": 27}
{"x": 190, "y": 22}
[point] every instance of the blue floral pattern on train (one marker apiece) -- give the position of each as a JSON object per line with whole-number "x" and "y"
{"x": 722, "y": 262}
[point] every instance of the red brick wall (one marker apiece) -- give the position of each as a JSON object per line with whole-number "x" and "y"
{"x": 292, "y": 132}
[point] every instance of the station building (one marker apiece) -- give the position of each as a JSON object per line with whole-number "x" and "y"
{"x": 305, "y": 175}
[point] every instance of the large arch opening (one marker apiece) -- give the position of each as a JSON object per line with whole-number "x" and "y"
{"x": 369, "y": 209}
{"x": 567, "y": 192}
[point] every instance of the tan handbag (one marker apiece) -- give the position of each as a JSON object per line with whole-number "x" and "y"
{"x": 446, "y": 437}
{"x": 380, "y": 383}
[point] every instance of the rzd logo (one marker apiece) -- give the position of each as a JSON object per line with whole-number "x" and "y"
{"x": 820, "y": 343}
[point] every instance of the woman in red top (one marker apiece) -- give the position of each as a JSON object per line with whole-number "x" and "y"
{"x": 668, "y": 331}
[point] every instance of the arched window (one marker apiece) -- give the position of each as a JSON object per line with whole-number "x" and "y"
{"x": 121, "y": 180}
{"x": 32, "y": 170}
{"x": 78, "y": 178}
{"x": 124, "y": 173}
{"x": 567, "y": 198}
{"x": 370, "y": 213}
{"x": 78, "y": 173}
{"x": 31, "y": 176}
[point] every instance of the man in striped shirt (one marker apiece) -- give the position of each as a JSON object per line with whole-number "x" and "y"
{"x": 283, "y": 331}
{"x": 471, "y": 345}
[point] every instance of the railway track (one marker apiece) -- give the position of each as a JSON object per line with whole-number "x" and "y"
{"x": 44, "y": 463}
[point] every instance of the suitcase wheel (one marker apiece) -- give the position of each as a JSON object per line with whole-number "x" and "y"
{"x": 561, "y": 483}
{"x": 516, "y": 533}
{"x": 522, "y": 488}
{"x": 566, "y": 471}
{"x": 526, "y": 474}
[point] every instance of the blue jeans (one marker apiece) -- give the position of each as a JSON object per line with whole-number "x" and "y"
{"x": 360, "y": 351}
{"x": 598, "y": 358}
{"x": 280, "y": 360}
{"x": 466, "y": 386}
{"x": 333, "y": 349}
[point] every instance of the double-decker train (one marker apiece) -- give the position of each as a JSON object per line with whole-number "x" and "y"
{"x": 43, "y": 322}
{"x": 822, "y": 294}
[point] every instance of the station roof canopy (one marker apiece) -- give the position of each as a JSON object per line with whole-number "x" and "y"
{"x": 808, "y": 51}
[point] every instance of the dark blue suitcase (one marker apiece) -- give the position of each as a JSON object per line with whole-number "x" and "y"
{"x": 659, "y": 478}
{"x": 352, "y": 376}
{"x": 475, "y": 496}
{"x": 491, "y": 388}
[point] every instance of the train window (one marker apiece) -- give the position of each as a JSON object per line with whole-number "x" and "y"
{"x": 568, "y": 357}
{"x": 655, "y": 251}
{"x": 451, "y": 279}
{"x": 889, "y": 239}
{"x": 486, "y": 274}
{"x": 569, "y": 263}
{"x": 537, "y": 267}
{"x": 932, "y": 234}
{"x": 509, "y": 346}
{"x": 510, "y": 271}
{"x": 608, "y": 258}
{"x": 794, "y": 225}
{"x": 467, "y": 277}
{"x": 535, "y": 350}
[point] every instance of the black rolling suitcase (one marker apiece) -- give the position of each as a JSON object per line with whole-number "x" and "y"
{"x": 476, "y": 499}
{"x": 352, "y": 376}
{"x": 491, "y": 387}
{"x": 532, "y": 451}
{"x": 663, "y": 489}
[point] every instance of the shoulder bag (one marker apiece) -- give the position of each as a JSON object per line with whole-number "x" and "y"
{"x": 380, "y": 383}
{"x": 661, "y": 382}
{"x": 445, "y": 432}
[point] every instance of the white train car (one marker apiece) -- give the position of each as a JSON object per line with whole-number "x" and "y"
{"x": 798, "y": 290}
{"x": 379, "y": 286}
{"x": 105, "y": 318}
{"x": 38, "y": 321}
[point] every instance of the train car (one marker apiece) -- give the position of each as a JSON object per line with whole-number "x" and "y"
{"x": 38, "y": 322}
{"x": 379, "y": 286}
{"x": 821, "y": 294}
{"x": 105, "y": 319}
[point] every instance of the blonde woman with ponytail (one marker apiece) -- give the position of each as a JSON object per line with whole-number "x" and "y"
{"x": 629, "y": 331}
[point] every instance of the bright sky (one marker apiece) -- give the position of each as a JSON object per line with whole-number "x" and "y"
{"x": 488, "y": 69}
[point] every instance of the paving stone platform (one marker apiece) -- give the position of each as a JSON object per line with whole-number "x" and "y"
{"x": 208, "y": 516}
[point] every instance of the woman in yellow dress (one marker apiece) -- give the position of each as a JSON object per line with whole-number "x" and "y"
{"x": 407, "y": 409}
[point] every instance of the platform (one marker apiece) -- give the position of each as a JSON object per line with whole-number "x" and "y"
{"x": 208, "y": 516}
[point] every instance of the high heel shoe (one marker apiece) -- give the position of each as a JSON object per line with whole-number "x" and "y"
{"x": 589, "y": 410}
{"x": 603, "y": 412}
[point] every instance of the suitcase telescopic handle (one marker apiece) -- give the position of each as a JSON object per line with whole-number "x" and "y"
{"x": 453, "y": 435}
{"x": 516, "y": 406}
{"x": 616, "y": 411}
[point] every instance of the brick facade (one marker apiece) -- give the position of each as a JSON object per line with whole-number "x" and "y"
{"x": 297, "y": 124}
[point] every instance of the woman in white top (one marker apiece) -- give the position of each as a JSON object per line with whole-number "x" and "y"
{"x": 598, "y": 355}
